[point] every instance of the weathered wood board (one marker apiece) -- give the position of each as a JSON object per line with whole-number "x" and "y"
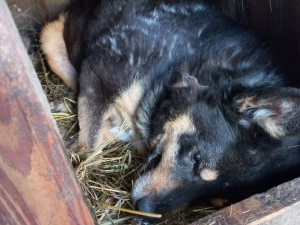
{"x": 31, "y": 14}
{"x": 37, "y": 182}
{"x": 278, "y": 21}
{"x": 278, "y": 206}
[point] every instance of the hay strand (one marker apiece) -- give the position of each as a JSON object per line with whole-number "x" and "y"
{"x": 126, "y": 210}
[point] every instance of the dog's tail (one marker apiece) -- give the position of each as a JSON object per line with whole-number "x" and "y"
{"x": 55, "y": 50}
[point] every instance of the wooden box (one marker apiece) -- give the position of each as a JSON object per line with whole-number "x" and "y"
{"x": 37, "y": 183}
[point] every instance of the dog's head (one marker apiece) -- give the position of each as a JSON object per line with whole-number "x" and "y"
{"x": 207, "y": 147}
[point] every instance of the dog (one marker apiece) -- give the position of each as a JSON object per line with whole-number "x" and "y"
{"x": 199, "y": 93}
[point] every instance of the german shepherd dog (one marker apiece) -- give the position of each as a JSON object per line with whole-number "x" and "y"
{"x": 199, "y": 93}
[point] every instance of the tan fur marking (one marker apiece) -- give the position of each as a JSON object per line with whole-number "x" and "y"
{"x": 111, "y": 118}
{"x": 243, "y": 103}
{"x": 130, "y": 98}
{"x": 55, "y": 50}
{"x": 160, "y": 180}
{"x": 209, "y": 175}
{"x": 173, "y": 130}
{"x": 182, "y": 124}
{"x": 271, "y": 126}
{"x": 160, "y": 177}
{"x": 123, "y": 108}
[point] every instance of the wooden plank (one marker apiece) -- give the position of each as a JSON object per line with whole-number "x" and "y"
{"x": 41, "y": 8}
{"x": 230, "y": 8}
{"x": 279, "y": 21}
{"x": 216, "y": 3}
{"x": 242, "y": 11}
{"x": 31, "y": 14}
{"x": 37, "y": 182}
{"x": 279, "y": 205}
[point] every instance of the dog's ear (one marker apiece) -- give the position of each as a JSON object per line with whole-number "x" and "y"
{"x": 275, "y": 111}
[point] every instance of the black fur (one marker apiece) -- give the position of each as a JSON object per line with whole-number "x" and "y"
{"x": 163, "y": 43}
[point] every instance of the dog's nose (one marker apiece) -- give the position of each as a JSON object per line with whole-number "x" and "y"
{"x": 145, "y": 205}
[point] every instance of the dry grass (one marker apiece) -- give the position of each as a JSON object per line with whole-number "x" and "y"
{"x": 107, "y": 174}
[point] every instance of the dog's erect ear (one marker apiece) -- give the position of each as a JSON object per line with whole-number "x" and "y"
{"x": 276, "y": 111}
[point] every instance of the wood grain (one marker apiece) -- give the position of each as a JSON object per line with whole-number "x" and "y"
{"x": 31, "y": 14}
{"x": 37, "y": 183}
{"x": 279, "y": 205}
{"x": 278, "y": 21}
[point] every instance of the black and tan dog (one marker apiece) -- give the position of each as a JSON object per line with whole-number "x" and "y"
{"x": 198, "y": 91}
